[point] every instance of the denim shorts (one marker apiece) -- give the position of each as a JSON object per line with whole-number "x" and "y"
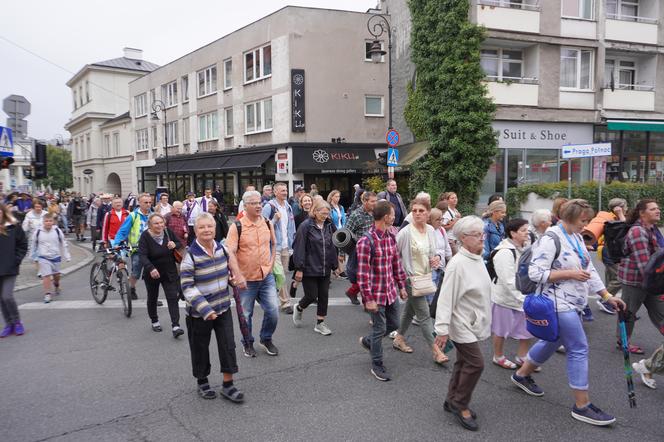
{"x": 136, "y": 266}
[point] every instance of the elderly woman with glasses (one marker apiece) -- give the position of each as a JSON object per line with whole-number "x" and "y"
{"x": 463, "y": 315}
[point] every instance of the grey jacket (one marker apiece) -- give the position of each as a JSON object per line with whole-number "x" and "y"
{"x": 403, "y": 245}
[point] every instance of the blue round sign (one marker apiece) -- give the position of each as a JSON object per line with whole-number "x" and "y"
{"x": 392, "y": 138}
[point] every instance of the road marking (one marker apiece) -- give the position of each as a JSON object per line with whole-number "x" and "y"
{"x": 117, "y": 304}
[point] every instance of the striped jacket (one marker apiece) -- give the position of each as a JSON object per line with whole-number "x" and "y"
{"x": 205, "y": 281}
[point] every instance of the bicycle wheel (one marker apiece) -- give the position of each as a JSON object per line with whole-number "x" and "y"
{"x": 125, "y": 291}
{"x": 98, "y": 285}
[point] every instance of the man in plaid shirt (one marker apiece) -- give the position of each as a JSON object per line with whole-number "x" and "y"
{"x": 358, "y": 223}
{"x": 380, "y": 276}
{"x": 642, "y": 240}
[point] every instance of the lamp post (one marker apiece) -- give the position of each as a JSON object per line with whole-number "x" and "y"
{"x": 159, "y": 106}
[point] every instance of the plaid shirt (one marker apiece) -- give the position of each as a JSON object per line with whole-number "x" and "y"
{"x": 381, "y": 275}
{"x": 640, "y": 244}
{"x": 178, "y": 225}
{"x": 359, "y": 222}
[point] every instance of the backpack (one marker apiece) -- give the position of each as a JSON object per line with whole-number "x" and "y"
{"x": 57, "y": 230}
{"x": 614, "y": 239}
{"x": 653, "y": 273}
{"x": 351, "y": 265}
{"x": 523, "y": 282}
{"x": 490, "y": 266}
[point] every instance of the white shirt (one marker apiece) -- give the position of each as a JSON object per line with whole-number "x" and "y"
{"x": 164, "y": 210}
{"x": 283, "y": 224}
{"x": 118, "y": 213}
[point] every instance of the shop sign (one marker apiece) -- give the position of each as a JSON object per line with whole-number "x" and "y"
{"x": 333, "y": 160}
{"x": 282, "y": 167}
{"x": 297, "y": 100}
{"x": 539, "y": 135}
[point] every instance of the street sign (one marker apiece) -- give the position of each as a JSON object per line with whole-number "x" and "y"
{"x": 16, "y": 106}
{"x": 6, "y": 142}
{"x": 392, "y": 138}
{"x": 392, "y": 157}
{"x": 586, "y": 150}
{"x": 18, "y": 127}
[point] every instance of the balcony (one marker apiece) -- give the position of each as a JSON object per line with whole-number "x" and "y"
{"x": 509, "y": 15}
{"x": 630, "y": 97}
{"x": 631, "y": 29}
{"x": 513, "y": 91}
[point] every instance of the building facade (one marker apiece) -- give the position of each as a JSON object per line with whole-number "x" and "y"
{"x": 563, "y": 72}
{"x": 100, "y": 126}
{"x": 292, "y": 97}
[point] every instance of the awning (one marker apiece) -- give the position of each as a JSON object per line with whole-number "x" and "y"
{"x": 211, "y": 164}
{"x": 636, "y": 125}
{"x": 409, "y": 153}
{"x": 334, "y": 159}
{"x": 247, "y": 161}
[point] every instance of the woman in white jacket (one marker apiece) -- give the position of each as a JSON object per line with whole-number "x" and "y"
{"x": 508, "y": 319}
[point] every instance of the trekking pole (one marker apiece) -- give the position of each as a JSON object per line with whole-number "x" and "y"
{"x": 631, "y": 396}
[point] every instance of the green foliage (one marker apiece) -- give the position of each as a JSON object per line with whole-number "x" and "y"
{"x": 448, "y": 105}
{"x": 58, "y": 169}
{"x": 632, "y": 192}
{"x": 374, "y": 183}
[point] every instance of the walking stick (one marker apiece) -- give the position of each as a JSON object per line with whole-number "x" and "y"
{"x": 631, "y": 396}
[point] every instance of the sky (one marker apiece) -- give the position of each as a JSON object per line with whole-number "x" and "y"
{"x": 43, "y": 43}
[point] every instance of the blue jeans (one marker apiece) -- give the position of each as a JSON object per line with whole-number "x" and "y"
{"x": 265, "y": 293}
{"x": 572, "y": 336}
{"x": 385, "y": 321}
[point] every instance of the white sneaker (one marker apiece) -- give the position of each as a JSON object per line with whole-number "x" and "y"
{"x": 47, "y": 298}
{"x": 640, "y": 368}
{"x": 297, "y": 316}
{"x": 323, "y": 329}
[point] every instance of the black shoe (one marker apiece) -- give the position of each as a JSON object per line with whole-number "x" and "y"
{"x": 468, "y": 423}
{"x": 159, "y": 303}
{"x": 249, "y": 351}
{"x": 353, "y": 299}
{"x": 293, "y": 290}
{"x": 451, "y": 409}
{"x": 134, "y": 296}
{"x": 365, "y": 343}
{"x": 177, "y": 332}
{"x": 287, "y": 310}
{"x": 269, "y": 347}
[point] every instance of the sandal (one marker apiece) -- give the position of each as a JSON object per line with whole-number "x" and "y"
{"x": 632, "y": 348}
{"x": 399, "y": 343}
{"x": 504, "y": 362}
{"x": 438, "y": 356}
{"x": 232, "y": 394}
{"x": 206, "y": 392}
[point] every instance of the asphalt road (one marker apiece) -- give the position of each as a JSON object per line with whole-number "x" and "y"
{"x": 84, "y": 372}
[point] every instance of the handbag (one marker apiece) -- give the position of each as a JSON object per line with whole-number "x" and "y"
{"x": 541, "y": 316}
{"x": 422, "y": 285}
{"x": 177, "y": 254}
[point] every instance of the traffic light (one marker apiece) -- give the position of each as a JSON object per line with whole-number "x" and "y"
{"x": 6, "y": 162}
{"x": 39, "y": 164}
{"x": 382, "y": 159}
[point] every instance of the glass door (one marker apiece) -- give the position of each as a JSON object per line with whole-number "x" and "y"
{"x": 541, "y": 166}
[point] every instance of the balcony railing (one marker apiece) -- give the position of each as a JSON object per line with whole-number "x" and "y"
{"x": 534, "y": 6}
{"x": 519, "y": 80}
{"x": 631, "y": 87}
{"x": 634, "y": 18}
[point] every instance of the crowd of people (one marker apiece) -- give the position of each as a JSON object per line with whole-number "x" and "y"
{"x": 422, "y": 264}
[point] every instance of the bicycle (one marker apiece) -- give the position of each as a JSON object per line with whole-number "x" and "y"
{"x": 102, "y": 281}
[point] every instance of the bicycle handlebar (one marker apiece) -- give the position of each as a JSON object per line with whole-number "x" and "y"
{"x": 116, "y": 249}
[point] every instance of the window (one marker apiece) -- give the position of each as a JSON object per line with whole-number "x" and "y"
{"x": 185, "y": 88}
{"x": 228, "y": 72}
{"x": 80, "y": 95}
{"x": 172, "y": 133}
{"x": 367, "y": 49}
{"x": 228, "y": 117}
{"x": 258, "y": 64}
{"x": 116, "y": 144}
{"x": 88, "y": 146}
{"x": 169, "y": 93}
{"x": 208, "y": 127}
{"x": 622, "y": 9}
{"x": 576, "y": 69}
{"x": 155, "y": 137}
{"x": 153, "y": 96}
{"x": 373, "y": 106}
{"x": 75, "y": 99}
{"x": 87, "y": 91}
{"x": 141, "y": 139}
{"x": 258, "y": 116}
{"x": 620, "y": 73}
{"x": 207, "y": 81}
{"x": 579, "y": 9}
{"x": 107, "y": 145}
{"x": 140, "y": 105}
{"x": 502, "y": 64}
{"x": 185, "y": 131}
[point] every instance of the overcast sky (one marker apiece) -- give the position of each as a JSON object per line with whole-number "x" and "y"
{"x": 72, "y": 33}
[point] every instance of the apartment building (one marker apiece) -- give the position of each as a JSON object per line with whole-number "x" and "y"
{"x": 563, "y": 72}
{"x": 99, "y": 125}
{"x": 292, "y": 97}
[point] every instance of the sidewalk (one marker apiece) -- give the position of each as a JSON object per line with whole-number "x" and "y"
{"x": 81, "y": 255}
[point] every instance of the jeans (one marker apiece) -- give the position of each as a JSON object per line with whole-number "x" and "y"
{"x": 572, "y": 336}
{"x": 265, "y": 293}
{"x": 7, "y": 302}
{"x": 385, "y": 321}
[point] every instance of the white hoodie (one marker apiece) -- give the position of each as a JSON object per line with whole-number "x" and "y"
{"x": 504, "y": 291}
{"x": 32, "y": 222}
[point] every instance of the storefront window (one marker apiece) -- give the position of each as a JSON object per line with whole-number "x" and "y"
{"x": 656, "y": 158}
{"x": 634, "y": 156}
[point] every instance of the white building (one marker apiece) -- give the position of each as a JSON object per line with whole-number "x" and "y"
{"x": 99, "y": 125}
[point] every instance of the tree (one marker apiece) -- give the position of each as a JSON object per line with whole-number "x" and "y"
{"x": 448, "y": 104}
{"x": 58, "y": 169}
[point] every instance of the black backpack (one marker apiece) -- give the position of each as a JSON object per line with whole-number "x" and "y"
{"x": 653, "y": 274}
{"x": 614, "y": 239}
{"x": 490, "y": 266}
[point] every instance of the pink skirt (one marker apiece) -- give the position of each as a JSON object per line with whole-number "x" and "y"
{"x": 508, "y": 323}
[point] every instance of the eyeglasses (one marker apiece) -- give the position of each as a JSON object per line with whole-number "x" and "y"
{"x": 479, "y": 235}
{"x": 255, "y": 203}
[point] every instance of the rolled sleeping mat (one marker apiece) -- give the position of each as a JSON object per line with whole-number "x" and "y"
{"x": 344, "y": 240}
{"x": 595, "y": 229}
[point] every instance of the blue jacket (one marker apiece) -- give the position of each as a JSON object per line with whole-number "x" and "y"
{"x": 269, "y": 210}
{"x": 335, "y": 217}
{"x": 494, "y": 235}
{"x": 128, "y": 227}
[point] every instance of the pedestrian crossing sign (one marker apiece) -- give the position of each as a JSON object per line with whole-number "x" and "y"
{"x": 392, "y": 157}
{"x": 6, "y": 142}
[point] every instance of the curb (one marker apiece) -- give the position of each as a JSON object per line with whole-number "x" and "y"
{"x": 89, "y": 257}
